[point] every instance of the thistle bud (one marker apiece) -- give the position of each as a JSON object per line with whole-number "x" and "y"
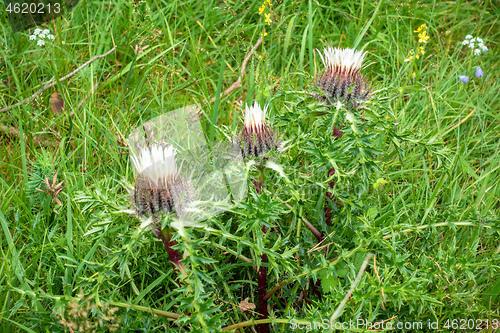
{"x": 342, "y": 81}
{"x": 159, "y": 188}
{"x": 256, "y": 138}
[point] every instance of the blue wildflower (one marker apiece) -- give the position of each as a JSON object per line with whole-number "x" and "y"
{"x": 479, "y": 72}
{"x": 464, "y": 78}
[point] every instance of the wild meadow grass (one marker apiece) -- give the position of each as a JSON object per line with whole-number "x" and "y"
{"x": 417, "y": 190}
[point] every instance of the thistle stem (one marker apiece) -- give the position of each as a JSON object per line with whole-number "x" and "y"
{"x": 316, "y": 233}
{"x": 262, "y": 288}
{"x": 258, "y": 182}
{"x": 262, "y": 272}
{"x": 173, "y": 255}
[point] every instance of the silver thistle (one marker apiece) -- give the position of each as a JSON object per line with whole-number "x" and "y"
{"x": 159, "y": 187}
{"x": 256, "y": 138}
{"x": 342, "y": 81}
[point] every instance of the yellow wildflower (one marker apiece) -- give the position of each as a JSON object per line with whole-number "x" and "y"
{"x": 268, "y": 2}
{"x": 268, "y": 18}
{"x": 262, "y": 9}
{"x": 422, "y": 27}
{"x": 421, "y": 49}
{"x": 423, "y": 37}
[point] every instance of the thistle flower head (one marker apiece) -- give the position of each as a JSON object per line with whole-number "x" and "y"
{"x": 159, "y": 186}
{"x": 341, "y": 80}
{"x": 256, "y": 138}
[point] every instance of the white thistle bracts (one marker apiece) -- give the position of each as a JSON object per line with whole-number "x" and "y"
{"x": 255, "y": 117}
{"x": 342, "y": 59}
{"x": 156, "y": 162}
{"x": 342, "y": 79}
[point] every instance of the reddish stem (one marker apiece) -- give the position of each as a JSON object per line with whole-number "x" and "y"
{"x": 315, "y": 232}
{"x": 258, "y": 182}
{"x": 262, "y": 289}
{"x": 173, "y": 254}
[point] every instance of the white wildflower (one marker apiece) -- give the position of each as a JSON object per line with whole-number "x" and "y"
{"x": 37, "y": 31}
{"x": 40, "y": 43}
{"x": 32, "y": 37}
{"x": 475, "y": 43}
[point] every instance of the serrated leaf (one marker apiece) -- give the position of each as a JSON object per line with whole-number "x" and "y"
{"x": 328, "y": 281}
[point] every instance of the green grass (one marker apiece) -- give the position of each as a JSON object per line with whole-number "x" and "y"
{"x": 433, "y": 227}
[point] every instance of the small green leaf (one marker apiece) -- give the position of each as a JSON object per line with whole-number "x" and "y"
{"x": 328, "y": 281}
{"x": 380, "y": 181}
